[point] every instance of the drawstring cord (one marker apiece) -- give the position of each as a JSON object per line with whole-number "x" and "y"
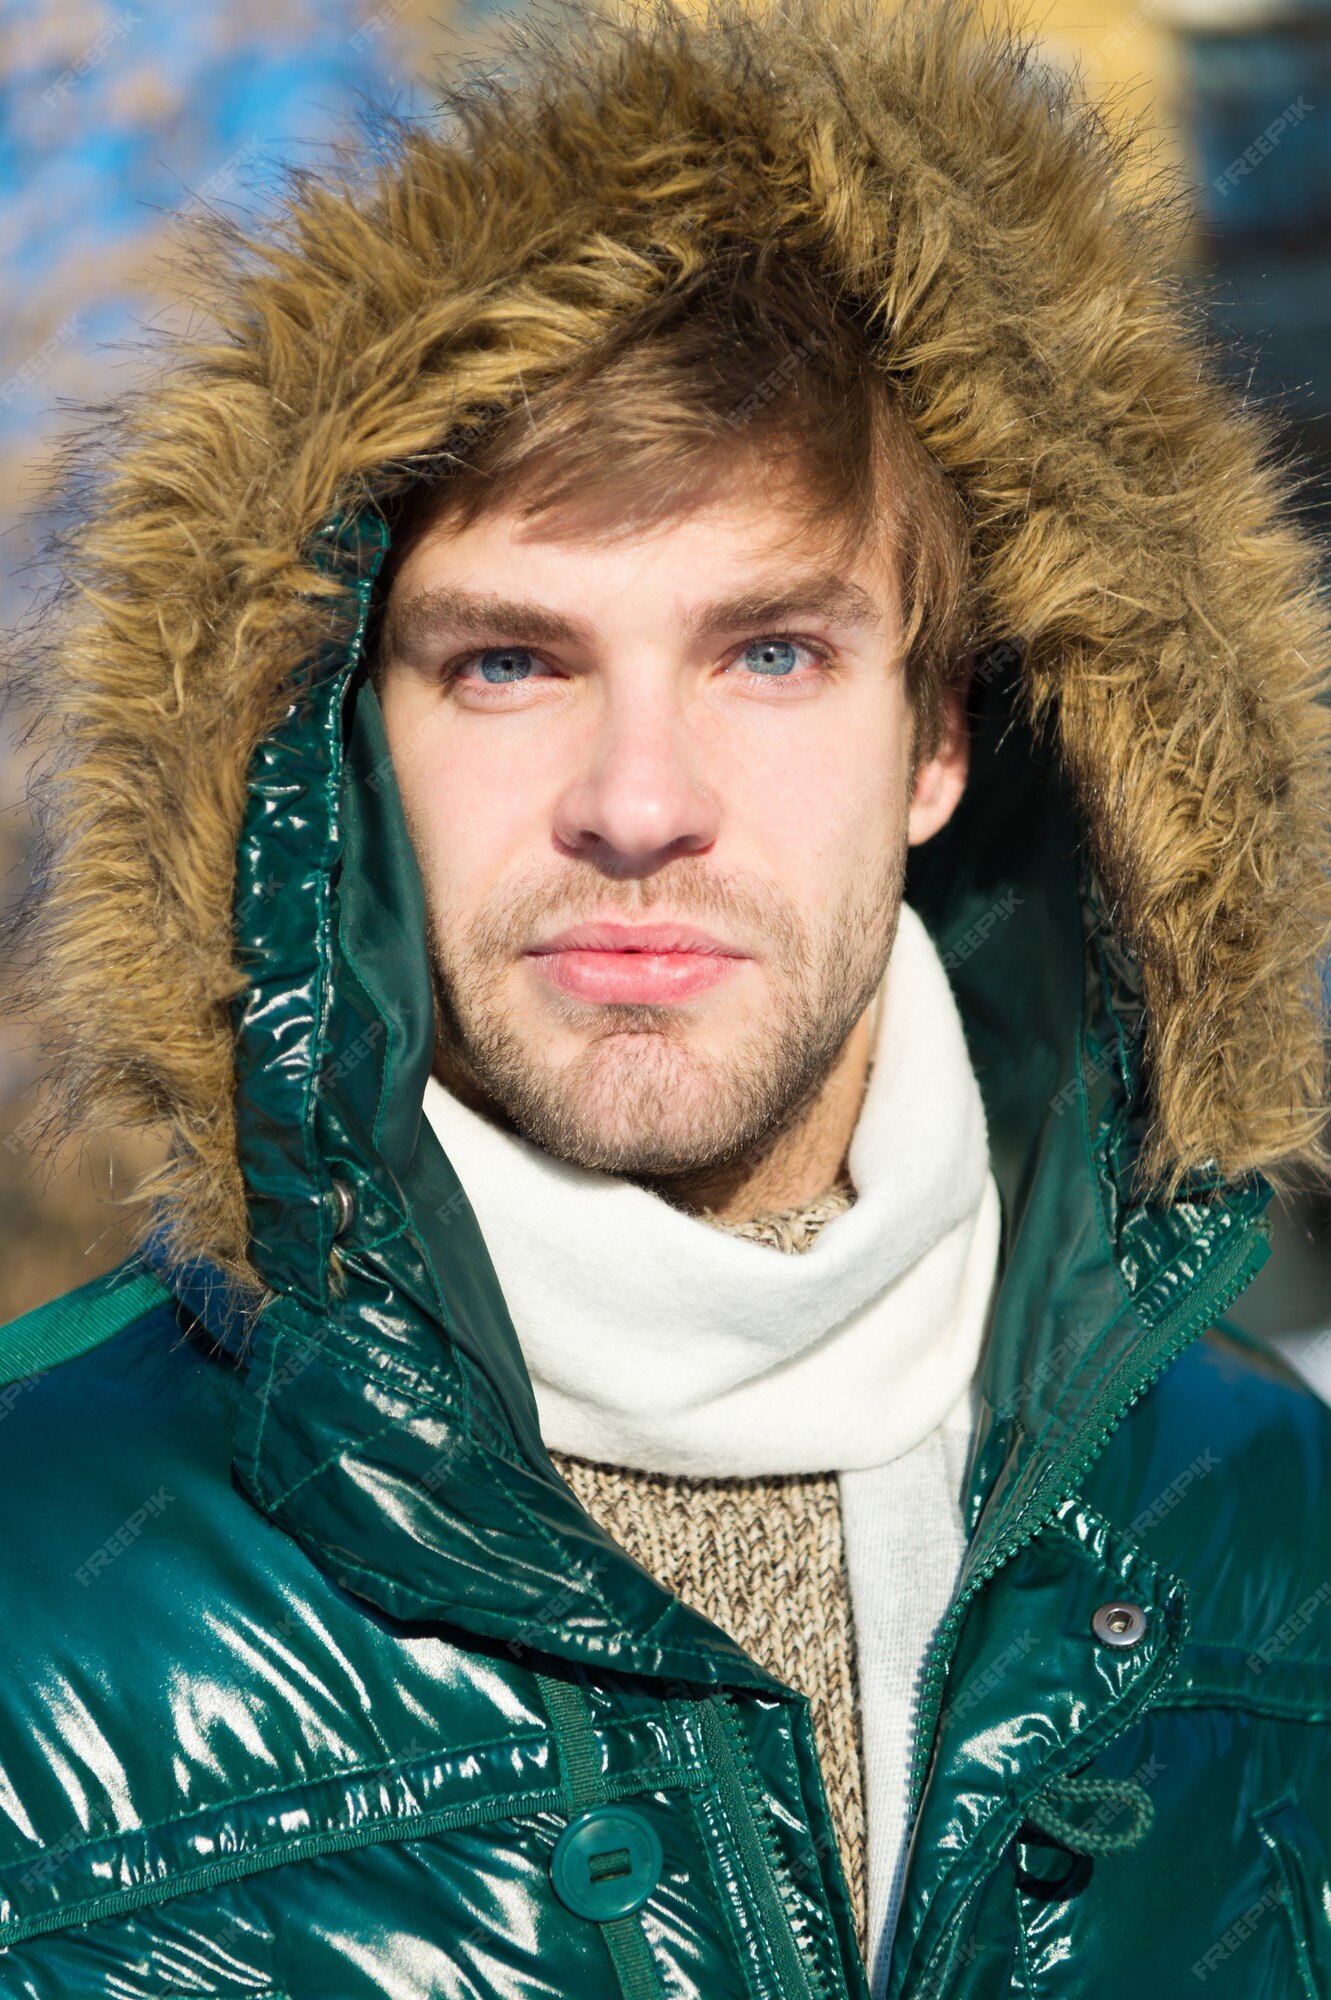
{"x": 1109, "y": 1796}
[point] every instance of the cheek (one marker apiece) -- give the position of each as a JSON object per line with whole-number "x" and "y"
{"x": 473, "y": 811}
{"x": 817, "y": 814}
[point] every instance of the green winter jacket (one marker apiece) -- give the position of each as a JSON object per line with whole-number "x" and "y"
{"x": 318, "y": 1680}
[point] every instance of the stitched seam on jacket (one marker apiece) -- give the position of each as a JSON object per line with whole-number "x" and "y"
{"x": 260, "y": 1484}
{"x": 1242, "y": 1649}
{"x": 653, "y": 1769}
{"x": 561, "y": 1557}
{"x": 1239, "y": 1652}
{"x": 283, "y": 1335}
{"x": 352, "y": 1566}
{"x": 1023, "y": 1943}
{"x": 273, "y": 1854}
{"x": 1280, "y": 1708}
{"x": 1277, "y": 1865}
{"x": 336, "y": 1452}
{"x": 403, "y": 1227}
{"x": 1066, "y": 1534}
{"x": 387, "y": 1082}
{"x": 1151, "y": 1571}
{"x": 351, "y": 1772}
{"x": 431, "y": 1389}
{"x": 443, "y": 1406}
{"x": 674, "y": 1657}
{"x": 648, "y": 1631}
{"x": 427, "y": 1258}
{"x": 275, "y": 1498}
{"x": 1093, "y": 1387}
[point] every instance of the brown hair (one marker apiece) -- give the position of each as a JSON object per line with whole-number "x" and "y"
{"x": 734, "y": 375}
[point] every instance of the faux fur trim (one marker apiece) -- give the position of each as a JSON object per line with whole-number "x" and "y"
{"x": 1130, "y": 521}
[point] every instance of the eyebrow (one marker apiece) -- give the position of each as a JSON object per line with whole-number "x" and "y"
{"x": 410, "y": 628}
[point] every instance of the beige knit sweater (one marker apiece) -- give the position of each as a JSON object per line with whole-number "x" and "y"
{"x": 763, "y": 1558}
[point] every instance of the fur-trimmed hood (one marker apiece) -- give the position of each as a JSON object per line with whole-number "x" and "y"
{"x": 1130, "y": 526}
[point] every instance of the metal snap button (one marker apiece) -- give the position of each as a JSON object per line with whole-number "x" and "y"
{"x": 606, "y": 1862}
{"x": 1119, "y": 1624}
{"x": 344, "y": 1207}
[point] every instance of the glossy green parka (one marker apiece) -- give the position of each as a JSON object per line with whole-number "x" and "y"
{"x": 311, "y": 1658}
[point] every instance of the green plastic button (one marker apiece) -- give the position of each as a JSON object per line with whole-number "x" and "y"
{"x": 606, "y": 1862}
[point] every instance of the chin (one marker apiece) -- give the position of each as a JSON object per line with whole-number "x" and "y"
{"x": 624, "y": 1109}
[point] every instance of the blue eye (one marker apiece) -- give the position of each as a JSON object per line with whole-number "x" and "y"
{"x": 771, "y": 656}
{"x": 505, "y": 663}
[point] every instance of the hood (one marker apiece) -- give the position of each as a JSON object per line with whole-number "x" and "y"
{"x": 227, "y": 922}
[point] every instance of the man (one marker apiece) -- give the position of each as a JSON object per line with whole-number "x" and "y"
{"x": 692, "y": 771}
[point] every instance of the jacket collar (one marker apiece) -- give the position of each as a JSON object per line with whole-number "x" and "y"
{"x": 388, "y": 1420}
{"x": 1100, "y": 1286}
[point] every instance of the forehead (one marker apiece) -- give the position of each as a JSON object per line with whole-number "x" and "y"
{"x": 745, "y": 539}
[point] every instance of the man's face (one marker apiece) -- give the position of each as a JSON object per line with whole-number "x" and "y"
{"x": 660, "y": 791}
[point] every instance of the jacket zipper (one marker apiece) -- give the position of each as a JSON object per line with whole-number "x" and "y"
{"x": 1100, "y": 1425}
{"x": 760, "y": 1863}
{"x": 1236, "y": 1271}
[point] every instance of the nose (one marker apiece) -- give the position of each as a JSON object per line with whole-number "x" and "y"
{"x": 637, "y": 799}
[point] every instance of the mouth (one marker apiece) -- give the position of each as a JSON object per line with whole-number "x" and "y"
{"x": 631, "y": 964}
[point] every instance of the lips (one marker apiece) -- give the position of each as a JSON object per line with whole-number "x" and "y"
{"x": 627, "y": 964}
{"x": 637, "y": 937}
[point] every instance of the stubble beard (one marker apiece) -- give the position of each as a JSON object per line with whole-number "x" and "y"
{"x": 637, "y": 1100}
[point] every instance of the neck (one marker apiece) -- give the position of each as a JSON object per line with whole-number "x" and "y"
{"x": 793, "y": 1165}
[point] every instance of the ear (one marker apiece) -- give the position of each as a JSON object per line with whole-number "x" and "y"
{"x": 940, "y": 782}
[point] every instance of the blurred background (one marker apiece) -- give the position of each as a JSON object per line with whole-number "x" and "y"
{"x": 119, "y": 119}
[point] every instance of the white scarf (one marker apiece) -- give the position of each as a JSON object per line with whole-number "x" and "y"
{"x": 658, "y": 1342}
